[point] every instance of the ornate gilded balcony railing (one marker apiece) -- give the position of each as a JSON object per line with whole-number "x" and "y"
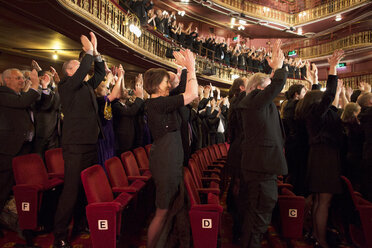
{"x": 108, "y": 16}
{"x": 267, "y": 13}
{"x": 353, "y": 81}
{"x": 357, "y": 40}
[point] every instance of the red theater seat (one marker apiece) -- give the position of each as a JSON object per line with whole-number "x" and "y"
{"x": 148, "y": 148}
{"x": 291, "y": 209}
{"x": 207, "y": 169}
{"x": 360, "y": 234}
{"x": 118, "y": 178}
{"x": 103, "y": 211}
{"x": 131, "y": 167}
{"x": 55, "y": 163}
{"x": 218, "y": 153}
{"x": 205, "y": 184}
{"x": 142, "y": 158}
{"x": 223, "y": 149}
{"x": 205, "y": 219}
{"x": 33, "y": 184}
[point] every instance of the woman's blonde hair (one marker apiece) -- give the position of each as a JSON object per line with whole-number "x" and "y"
{"x": 348, "y": 115}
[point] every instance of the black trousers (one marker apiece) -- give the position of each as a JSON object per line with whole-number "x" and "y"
{"x": 43, "y": 144}
{"x": 6, "y": 173}
{"x": 73, "y": 200}
{"x": 258, "y": 195}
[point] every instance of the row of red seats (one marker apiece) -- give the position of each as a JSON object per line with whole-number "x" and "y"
{"x": 203, "y": 179}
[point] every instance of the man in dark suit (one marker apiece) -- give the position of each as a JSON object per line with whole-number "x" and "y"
{"x": 16, "y": 126}
{"x": 262, "y": 150}
{"x": 46, "y": 111}
{"x": 81, "y": 128}
{"x": 125, "y": 119}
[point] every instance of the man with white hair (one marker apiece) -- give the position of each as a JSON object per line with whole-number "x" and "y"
{"x": 262, "y": 150}
{"x": 16, "y": 124}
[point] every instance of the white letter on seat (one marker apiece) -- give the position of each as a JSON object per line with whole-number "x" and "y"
{"x": 102, "y": 225}
{"x": 206, "y": 223}
{"x": 293, "y": 213}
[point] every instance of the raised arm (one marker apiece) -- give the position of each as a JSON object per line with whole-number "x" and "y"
{"x": 330, "y": 92}
{"x": 268, "y": 94}
{"x": 185, "y": 58}
{"x": 115, "y": 93}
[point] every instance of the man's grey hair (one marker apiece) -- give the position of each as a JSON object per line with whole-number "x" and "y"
{"x": 8, "y": 72}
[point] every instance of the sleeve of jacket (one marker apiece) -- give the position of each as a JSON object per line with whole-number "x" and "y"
{"x": 266, "y": 96}
{"x": 45, "y": 102}
{"x": 99, "y": 74}
{"x": 119, "y": 110}
{"x": 76, "y": 81}
{"x": 328, "y": 96}
{"x": 20, "y": 102}
{"x": 181, "y": 86}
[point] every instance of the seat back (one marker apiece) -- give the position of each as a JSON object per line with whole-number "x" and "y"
{"x": 223, "y": 149}
{"x": 203, "y": 162}
{"x": 96, "y": 185}
{"x": 350, "y": 190}
{"x": 195, "y": 171}
{"x": 130, "y": 164}
{"x": 191, "y": 187}
{"x": 116, "y": 173}
{"x": 148, "y": 148}
{"x": 54, "y": 161}
{"x": 217, "y": 151}
{"x": 141, "y": 156}
{"x": 212, "y": 154}
{"x": 207, "y": 156}
{"x": 29, "y": 169}
{"x": 291, "y": 209}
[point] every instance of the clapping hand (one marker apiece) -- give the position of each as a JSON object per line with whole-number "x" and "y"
{"x": 93, "y": 40}
{"x": 334, "y": 60}
{"x": 120, "y": 72}
{"x": 87, "y": 44}
{"x": 34, "y": 79}
{"x": 185, "y": 58}
{"x": 138, "y": 89}
{"x": 276, "y": 61}
{"x": 35, "y": 65}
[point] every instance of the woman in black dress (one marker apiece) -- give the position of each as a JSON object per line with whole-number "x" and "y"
{"x": 325, "y": 132}
{"x": 166, "y": 154}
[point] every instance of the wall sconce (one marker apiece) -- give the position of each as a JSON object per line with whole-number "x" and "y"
{"x": 55, "y": 55}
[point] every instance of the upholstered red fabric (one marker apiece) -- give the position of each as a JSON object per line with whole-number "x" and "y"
{"x": 55, "y": 163}
{"x": 118, "y": 178}
{"x": 148, "y": 148}
{"x": 131, "y": 167}
{"x": 142, "y": 158}
{"x": 203, "y": 182}
{"x": 205, "y": 219}
{"x": 103, "y": 211}
{"x": 31, "y": 180}
{"x": 364, "y": 208}
{"x": 291, "y": 208}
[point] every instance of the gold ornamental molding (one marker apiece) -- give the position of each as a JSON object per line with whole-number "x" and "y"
{"x": 354, "y": 41}
{"x": 294, "y": 19}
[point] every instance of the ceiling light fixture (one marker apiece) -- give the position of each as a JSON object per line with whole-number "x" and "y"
{"x": 233, "y": 20}
{"x": 55, "y": 55}
{"x": 338, "y": 18}
{"x": 181, "y": 13}
{"x": 185, "y": 1}
{"x": 243, "y": 22}
{"x": 241, "y": 27}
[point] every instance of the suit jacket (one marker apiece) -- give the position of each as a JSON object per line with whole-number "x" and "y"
{"x": 262, "y": 147}
{"x": 46, "y": 112}
{"x": 15, "y": 119}
{"x": 81, "y": 124}
{"x": 125, "y": 118}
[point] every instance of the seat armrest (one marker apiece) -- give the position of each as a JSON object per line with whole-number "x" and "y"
{"x": 208, "y": 190}
{"x": 207, "y": 208}
{"x": 143, "y": 178}
{"x": 124, "y": 189}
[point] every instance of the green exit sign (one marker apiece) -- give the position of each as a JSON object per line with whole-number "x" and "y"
{"x": 340, "y": 65}
{"x": 292, "y": 53}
